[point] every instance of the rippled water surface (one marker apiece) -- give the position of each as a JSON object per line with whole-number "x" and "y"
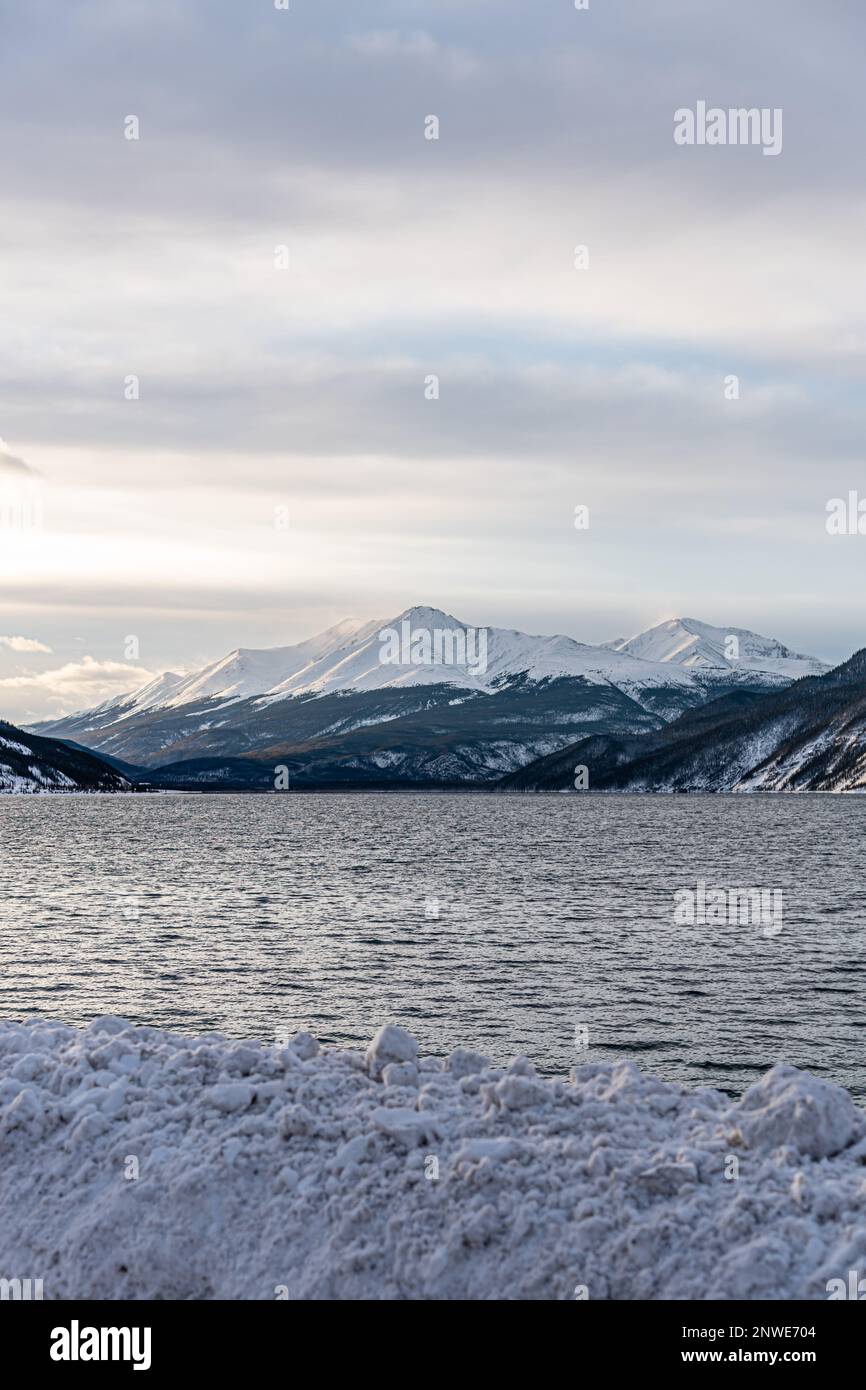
{"x": 504, "y": 923}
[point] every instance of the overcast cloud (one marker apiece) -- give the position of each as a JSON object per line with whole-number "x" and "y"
{"x": 167, "y": 390}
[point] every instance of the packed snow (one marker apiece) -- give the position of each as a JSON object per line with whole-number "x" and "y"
{"x": 140, "y": 1164}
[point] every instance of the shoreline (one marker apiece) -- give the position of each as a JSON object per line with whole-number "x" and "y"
{"x": 430, "y": 791}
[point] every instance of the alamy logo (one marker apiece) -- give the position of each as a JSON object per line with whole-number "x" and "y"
{"x": 438, "y": 646}
{"x": 855, "y": 1288}
{"x": 703, "y": 906}
{"x": 846, "y": 517}
{"x": 736, "y": 126}
{"x": 76, "y": 1343}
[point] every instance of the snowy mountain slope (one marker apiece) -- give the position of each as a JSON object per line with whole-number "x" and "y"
{"x": 348, "y": 658}
{"x": 246, "y": 671}
{"x": 353, "y": 656}
{"x": 242, "y": 673}
{"x": 495, "y": 657}
{"x": 157, "y": 692}
{"x": 237, "y": 728}
{"x": 702, "y": 648}
{"x": 455, "y": 742}
{"x": 810, "y": 736}
{"x": 29, "y": 765}
{"x": 411, "y": 674}
{"x": 150, "y": 696}
{"x": 321, "y": 732}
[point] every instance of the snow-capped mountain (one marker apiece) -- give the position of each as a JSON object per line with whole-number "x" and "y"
{"x": 393, "y": 653}
{"x": 806, "y": 737}
{"x": 701, "y": 647}
{"x": 156, "y": 692}
{"x": 469, "y": 703}
{"x": 247, "y": 671}
{"x": 362, "y": 656}
{"x": 390, "y": 653}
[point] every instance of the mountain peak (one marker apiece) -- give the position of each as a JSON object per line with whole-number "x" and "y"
{"x": 697, "y": 645}
{"x": 423, "y": 616}
{"x": 433, "y": 647}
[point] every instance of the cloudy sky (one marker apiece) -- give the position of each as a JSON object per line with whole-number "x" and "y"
{"x": 282, "y": 467}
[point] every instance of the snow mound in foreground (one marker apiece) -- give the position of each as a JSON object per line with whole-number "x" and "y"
{"x": 136, "y": 1163}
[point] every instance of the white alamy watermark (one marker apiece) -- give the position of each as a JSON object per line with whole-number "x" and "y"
{"x": 846, "y": 516}
{"x": 713, "y": 125}
{"x": 77, "y": 1343}
{"x": 437, "y": 646}
{"x": 756, "y": 907}
{"x": 21, "y": 1290}
{"x": 854, "y": 1288}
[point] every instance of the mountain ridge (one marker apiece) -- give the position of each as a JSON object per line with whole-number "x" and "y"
{"x": 694, "y": 644}
{"x": 810, "y": 736}
{"x": 376, "y": 702}
{"x": 33, "y": 765}
{"x": 297, "y": 669}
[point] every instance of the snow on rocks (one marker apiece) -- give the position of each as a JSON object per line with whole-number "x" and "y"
{"x": 137, "y": 1163}
{"x": 409, "y": 1127}
{"x": 462, "y": 1063}
{"x": 231, "y": 1095}
{"x": 391, "y": 1044}
{"x": 789, "y": 1106}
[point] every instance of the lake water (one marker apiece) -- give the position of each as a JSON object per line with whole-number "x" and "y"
{"x": 510, "y": 924}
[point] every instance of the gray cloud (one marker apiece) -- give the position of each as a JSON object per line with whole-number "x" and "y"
{"x": 249, "y": 99}
{"x": 258, "y": 128}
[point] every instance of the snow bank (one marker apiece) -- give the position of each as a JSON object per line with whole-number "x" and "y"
{"x": 136, "y": 1163}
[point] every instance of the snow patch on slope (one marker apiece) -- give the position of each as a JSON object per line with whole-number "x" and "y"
{"x": 36, "y": 779}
